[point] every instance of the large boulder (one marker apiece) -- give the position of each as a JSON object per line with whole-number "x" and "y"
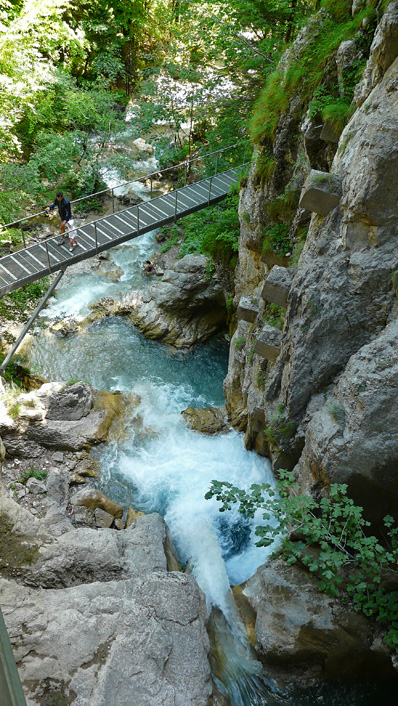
{"x": 210, "y": 420}
{"x": 94, "y": 616}
{"x": 182, "y": 309}
{"x": 306, "y": 635}
{"x": 57, "y": 416}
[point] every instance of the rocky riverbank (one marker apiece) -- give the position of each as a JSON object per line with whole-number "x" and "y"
{"x": 73, "y": 572}
{"x": 182, "y": 308}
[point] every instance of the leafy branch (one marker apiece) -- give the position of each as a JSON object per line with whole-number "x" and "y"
{"x": 330, "y": 538}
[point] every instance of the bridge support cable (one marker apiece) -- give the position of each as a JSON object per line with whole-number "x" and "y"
{"x": 32, "y": 319}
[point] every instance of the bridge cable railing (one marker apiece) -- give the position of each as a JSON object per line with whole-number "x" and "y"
{"x": 144, "y": 177}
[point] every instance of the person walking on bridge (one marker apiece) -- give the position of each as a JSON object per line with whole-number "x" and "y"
{"x": 65, "y": 214}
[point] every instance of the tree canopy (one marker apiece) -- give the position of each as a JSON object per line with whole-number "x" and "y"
{"x": 69, "y": 67}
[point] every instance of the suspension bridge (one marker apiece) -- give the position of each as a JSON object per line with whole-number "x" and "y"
{"x": 47, "y": 257}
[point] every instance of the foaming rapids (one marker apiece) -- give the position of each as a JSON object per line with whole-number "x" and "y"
{"x": 171, "y": 474}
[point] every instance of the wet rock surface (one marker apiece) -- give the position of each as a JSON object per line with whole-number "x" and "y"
{"x": 210, "y": 420}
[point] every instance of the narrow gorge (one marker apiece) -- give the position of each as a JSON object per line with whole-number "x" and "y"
{"x": 266, "y": 364}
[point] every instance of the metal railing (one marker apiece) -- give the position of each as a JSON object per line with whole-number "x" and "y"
{"x": 144, "y": 177}
{"x": 11, "y": 693}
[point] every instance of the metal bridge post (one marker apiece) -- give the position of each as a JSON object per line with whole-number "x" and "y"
{"x": 208, "y": 200}
{"x": 186, "y": 174}
{"x": 138, "y": 218}
{"x": 151, "y": 184}
{"x": 113, "y": 201}
{"x": 29, "y": 323}
{"x": 48, "y": 257}
{"x": 175, "y": 205}
{"x": 96, "y": 238}
{"x": 23, "y": 238}
{"x": 215, "y": 173}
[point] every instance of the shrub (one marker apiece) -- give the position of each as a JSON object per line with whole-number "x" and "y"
{"x": 279, "y": 431}
{"x": 32, "y": 473}
{"x": 334, "y": 546}
{"x": 240, "y": 343}
{"x": 14, "y": 410}
{"x": 275, "y": 239}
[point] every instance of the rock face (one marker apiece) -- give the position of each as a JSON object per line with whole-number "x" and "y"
{"x": 182, "y": 309}
{"x": 307, "y": 635}
{"x": 326, "y": 407}
{"x": 353, "y": 437}
{"x": 56, "y": 416}
{"x": 341, "y": 306}
{"x": 383, "y": 53}
{"x": 93, "y": 615}
{"x": 102, "y": 619}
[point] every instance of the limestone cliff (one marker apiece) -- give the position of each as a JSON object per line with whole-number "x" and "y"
{"x": 327, "y": 406}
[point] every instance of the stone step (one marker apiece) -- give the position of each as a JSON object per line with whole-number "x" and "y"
{"x": 277, "y": 285}
{"x": 247, "y": 311}
{"x": 268, "y": 344}
{"x": 321, "y": 192}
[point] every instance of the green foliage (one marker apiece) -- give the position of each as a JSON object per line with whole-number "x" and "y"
{"x": 9, "y": 236}
{"x": 173, "y": 238}
{"x": 306, "y": 74}
{"x": 240, "y": 343}
{"x": 275, "y": 239}
{"x": 274, "y": 315}
{"x": 335, "y": 545}
{"x": 15, "y": 371}
{"x": 17, "y": 305}
{"x": 213, "y": 231}
{"x": 261, "y": 379}
{"x": 298, "y": 247}
{"x": 273, "y": 101}
{"x": 230, "y": 301}
{"x": 14, "y": 410}
{"x": 32, "y": 473}
{"x": 279, "y": 431}
{"x": 265, "y": 167}
{"x": 284, "y": 205}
